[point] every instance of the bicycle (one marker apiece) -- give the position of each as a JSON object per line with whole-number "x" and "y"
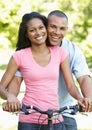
{"x": 50, "y": 113}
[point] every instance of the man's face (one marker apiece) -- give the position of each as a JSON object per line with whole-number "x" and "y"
{"x": 57, "y": 28}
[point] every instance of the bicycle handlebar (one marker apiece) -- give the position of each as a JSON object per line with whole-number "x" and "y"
{"x": 49, "y": 112}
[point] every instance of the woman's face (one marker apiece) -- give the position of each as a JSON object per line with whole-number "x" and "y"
{"x": 36, "y": 31}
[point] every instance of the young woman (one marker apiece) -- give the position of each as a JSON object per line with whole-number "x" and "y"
{"x": 39, "y": 64}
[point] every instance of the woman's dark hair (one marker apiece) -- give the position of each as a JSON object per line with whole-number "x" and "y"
{"x": 23, "y": 41}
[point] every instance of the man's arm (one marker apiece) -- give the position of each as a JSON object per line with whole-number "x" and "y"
{"x": 85, "y": 86}
{"x": 14, "y": 86}
{"x": 86, "y": 89}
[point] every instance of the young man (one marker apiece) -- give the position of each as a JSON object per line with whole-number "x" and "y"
{"x": 57, "y": 28}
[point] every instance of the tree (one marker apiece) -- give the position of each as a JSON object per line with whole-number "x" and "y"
{"x": 79, "y": 14}
{"x": 10, "y": 17}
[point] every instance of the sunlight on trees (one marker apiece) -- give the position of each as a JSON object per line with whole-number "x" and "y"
{"x": 79, "y": 14}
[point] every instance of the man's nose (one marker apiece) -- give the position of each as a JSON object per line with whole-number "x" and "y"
{"x": 57, "y": 31}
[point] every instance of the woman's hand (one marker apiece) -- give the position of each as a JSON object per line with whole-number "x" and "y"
{"x": 12, "y": 104}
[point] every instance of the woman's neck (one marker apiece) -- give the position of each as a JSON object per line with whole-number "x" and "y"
{"x": 39, "y": 49}
{"x": 41, "y": 55}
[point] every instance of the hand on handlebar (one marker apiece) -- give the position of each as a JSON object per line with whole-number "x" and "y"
{"x": 86, "y": 104}
{"x": 12, "y": 104}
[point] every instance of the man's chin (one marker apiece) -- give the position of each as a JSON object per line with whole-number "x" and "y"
{"x": 54, "y": 43}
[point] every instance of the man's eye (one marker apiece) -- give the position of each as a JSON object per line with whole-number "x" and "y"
{"x": 52, "y": 26}
{"x": 64, "y": 28}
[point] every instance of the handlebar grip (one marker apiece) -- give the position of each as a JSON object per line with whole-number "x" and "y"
{"x": 76, "y": 108}
{"x": 80, "y": 108}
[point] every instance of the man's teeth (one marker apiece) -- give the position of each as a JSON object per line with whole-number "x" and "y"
{"x": 55, "y": 37}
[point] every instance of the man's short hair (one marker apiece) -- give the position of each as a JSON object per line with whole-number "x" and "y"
{"x": 58, "y": 13}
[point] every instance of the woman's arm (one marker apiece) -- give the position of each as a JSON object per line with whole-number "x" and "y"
{"x": 71, "y": 87}
{"x": 73, "y": 90}
{"x": 13, "y": 102}
{"x": 7, "y": 77}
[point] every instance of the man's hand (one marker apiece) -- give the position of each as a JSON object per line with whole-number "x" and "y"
{"x": 86, "y": 104}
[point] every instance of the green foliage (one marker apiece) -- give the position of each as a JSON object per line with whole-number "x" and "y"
{"x": 80, "y": 23}
{"x": 9, "y": 20}
{"x": 3, "y": 67}
{"x": 11, "y": 13}
{"x": 79, "y": 16}
{"x": 78, "y": 12}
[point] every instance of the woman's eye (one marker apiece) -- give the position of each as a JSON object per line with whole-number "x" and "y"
{"x": 32, "y": 30}
{"x": 41, "y": 27}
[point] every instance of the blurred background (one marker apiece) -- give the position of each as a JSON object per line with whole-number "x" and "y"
{"x": 80, "y": 32}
